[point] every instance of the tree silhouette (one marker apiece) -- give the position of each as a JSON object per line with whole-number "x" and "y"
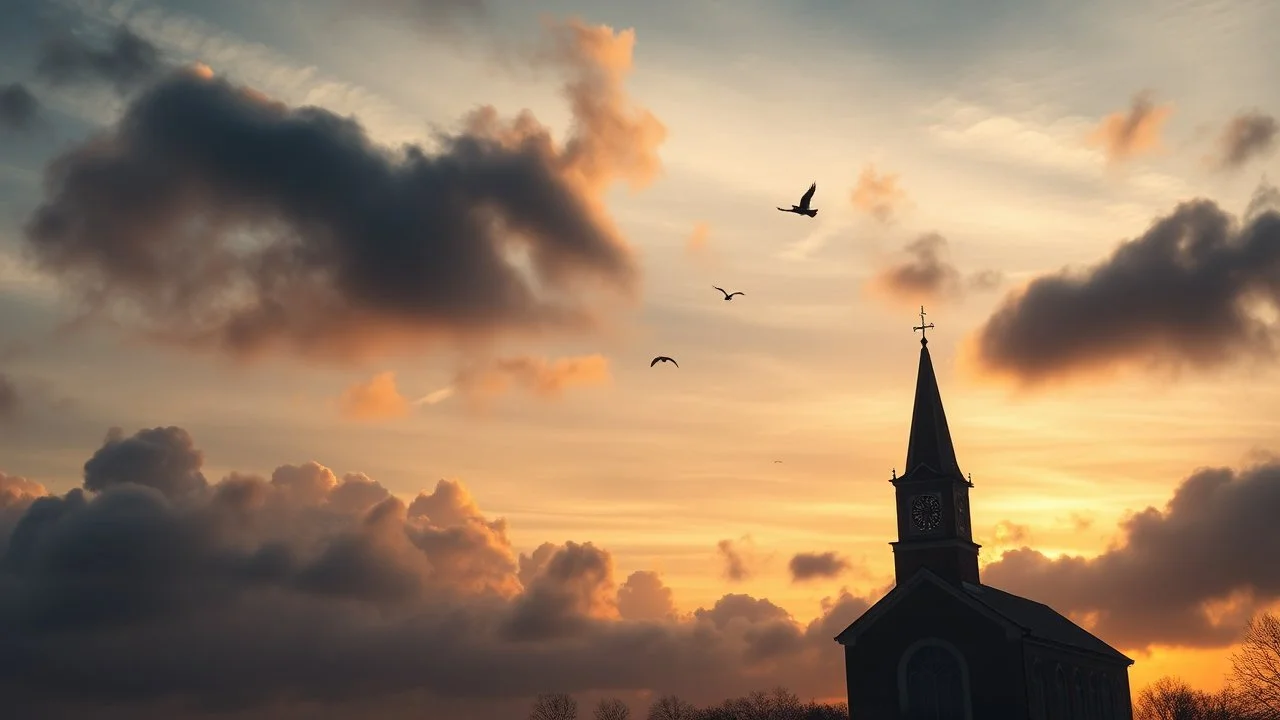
{"x": 1256, "y": 667}
{"x": 612, "y": 709}
{"x": 670, "y": 707}
{"x": 554, "y": 706}
{"x": 1168, "y": 698}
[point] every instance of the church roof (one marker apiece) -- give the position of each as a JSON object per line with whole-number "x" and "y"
{"x": 930, "y": 443}
{"x": 1041, "y": 621}
{"x": 1018, "y": 615}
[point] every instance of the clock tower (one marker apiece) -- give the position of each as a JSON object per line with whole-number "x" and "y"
{"x": 934, "y": 529}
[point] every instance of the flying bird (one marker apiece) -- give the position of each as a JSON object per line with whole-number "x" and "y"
{"x": 803, "y": 208}
{"x": 728, "y": 295}
{"x": 663, "y": 358}
{"x": 779, "y": 462}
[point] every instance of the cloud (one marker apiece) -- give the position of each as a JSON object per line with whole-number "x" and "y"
{"x": 1247, "y": 136}
{"x": 374, "y": 399}
{"x": 1007, "y": 532}
{"x": 644, "y": 597}
{"x": 126, "y": 62}
{"x": 214, "y": 217}
{"x": 18, "y": 107}
{"x": 738, "y": 557}
{"x": 810, "y": 565}
{"x": 926, "y": 275}
{"x": 1189, "y": 575}
{"x": 699, "y": 242}
{"x": 1123, "y": 135}
{"x": 878, "y": 195}
{"x": 255, "y": 594}
{"x": 1185, "y": 292}
{"x": 10, "y": 401}
{"x": 539, "y": 377}
{"x": 164, "y": 459}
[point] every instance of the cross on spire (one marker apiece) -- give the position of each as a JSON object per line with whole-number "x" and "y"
{"x": 922, "y": 327}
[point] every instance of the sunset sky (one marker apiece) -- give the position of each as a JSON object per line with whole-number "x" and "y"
{"x": 426, "y": 240}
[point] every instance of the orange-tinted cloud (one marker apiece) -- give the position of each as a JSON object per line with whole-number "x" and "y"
{"x": 16, "y": 490}
{"x": 699, "y": 241}
{"x": 318, "y": 589}
{"x": 374, "y": 399}
{"x": 539, "y": 377}
{"x": 879, "y": 195}
{"x": 1007, "y": 532}
{"x": 371, "y": 249}
{"x": 925, "y": 275}
{"x": 1183, "y": 293}
{"x": 1123, "y": 135}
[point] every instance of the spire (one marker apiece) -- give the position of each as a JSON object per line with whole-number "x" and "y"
{"x": 930, "y": 442}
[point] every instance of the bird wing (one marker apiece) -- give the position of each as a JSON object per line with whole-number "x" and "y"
{"x": 736, "y": 292}
{"x": 673, "y": 362}
{"x": 655, "y": 361}
{"x": 717, "y": 287}
{"x": 804, "y": 200}
{"x": 785, "y": 209}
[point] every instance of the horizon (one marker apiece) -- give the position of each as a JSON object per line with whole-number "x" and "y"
{"x": 286, "y": 262}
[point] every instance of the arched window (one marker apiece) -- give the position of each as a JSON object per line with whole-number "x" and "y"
{"x": 1078, "y": 710}
{"x": 933, "y": 682}
{"x": 1106, "y": 698}
{"x": 1061, "y": 695}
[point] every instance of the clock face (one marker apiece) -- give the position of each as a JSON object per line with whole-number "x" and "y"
{"x": 926, "y": 512}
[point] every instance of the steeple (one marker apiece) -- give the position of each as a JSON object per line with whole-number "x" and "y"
{"x": 930, "y": 444}
{"x": 934, "y": 528}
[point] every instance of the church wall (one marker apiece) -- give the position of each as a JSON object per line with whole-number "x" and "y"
{"x": 1082, "y": 677}
{"x": 992, "y": 659}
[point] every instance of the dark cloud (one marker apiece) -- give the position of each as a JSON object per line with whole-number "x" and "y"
{"x": 10, "y": 401}
{"x": 214, "y": 217}
{"x": 1189, "y": 575}
{"x": 811, "y": 566}
{"x": 125, "y": 60}
{"x": 1185, "y": 292}
{"x": 163, "y": 458}
{"x": 268, "y": 594}
{"x": 1246, "y": 136}
{"x": 18, "y": 107}
{"x": 926, "y": 275}
{"x": 736, "y": 564}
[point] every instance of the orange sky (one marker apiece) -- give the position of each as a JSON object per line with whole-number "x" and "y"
{"x": 659, "y": 155}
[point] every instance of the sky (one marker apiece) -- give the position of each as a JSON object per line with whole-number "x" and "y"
{"x": 326, "y": 328}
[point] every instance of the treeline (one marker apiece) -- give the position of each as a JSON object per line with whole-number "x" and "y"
{"x": 1251, "y": 693}
{"x": 779, "y": 704}
{"x": 1171, "y": 698}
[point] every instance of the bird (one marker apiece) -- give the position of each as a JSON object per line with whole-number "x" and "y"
{"x": 803, "y": 208}
{"x": 728, "y": 295}
{"x": 663, "y": 358}
{"x": 779, "y": 462}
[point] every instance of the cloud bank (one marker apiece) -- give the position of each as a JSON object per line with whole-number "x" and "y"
{"x": 217, "y": 218}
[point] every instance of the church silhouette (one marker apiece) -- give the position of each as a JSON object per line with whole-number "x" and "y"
{"x": 943, "y": 646}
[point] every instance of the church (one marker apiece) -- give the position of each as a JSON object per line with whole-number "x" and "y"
{"x": 943, "y": 646}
